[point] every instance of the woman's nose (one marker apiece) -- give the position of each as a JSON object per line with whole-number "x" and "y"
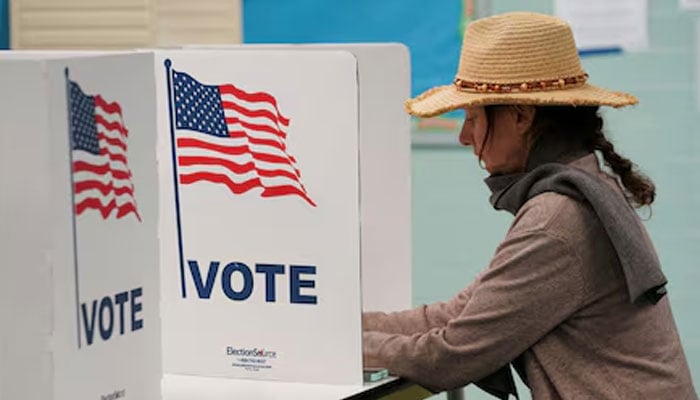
{"x": 465, "y": 135}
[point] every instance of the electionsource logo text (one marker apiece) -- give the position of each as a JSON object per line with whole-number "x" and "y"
{"x": 254, "y": 352}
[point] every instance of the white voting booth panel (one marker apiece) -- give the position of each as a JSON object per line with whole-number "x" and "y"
{"x": 384, "y": 78}
{"x": 258, "y": 158}
{"x": 79, "y": 213}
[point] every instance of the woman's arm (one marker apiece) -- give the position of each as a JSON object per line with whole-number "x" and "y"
{"x": 417, "y": 320}
{"x": 533, "y": 284}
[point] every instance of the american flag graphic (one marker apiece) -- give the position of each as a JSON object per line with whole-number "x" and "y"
{"x": 231, "y": 137}
{"x": 101, "y": 174}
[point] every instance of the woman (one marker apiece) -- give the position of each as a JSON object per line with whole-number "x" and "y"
{"x": 574, "y": 297}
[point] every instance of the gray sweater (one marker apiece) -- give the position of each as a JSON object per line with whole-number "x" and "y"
{"x": 554, "y": 292}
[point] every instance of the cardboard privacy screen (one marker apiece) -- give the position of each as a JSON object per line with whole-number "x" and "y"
{"x": 258, "y": 156}
{"x": 79, "y": 230}
{"x": 385, "y": 167}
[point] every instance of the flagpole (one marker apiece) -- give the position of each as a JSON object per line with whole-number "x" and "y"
{"x": 168, "y": 65}
{"x": 73, "y": 217}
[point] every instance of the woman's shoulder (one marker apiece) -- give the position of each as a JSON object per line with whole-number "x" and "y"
{"x": 559, "y": 215}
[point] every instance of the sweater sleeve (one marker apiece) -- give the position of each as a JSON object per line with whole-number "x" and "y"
{"x": 532, "y": 285}
{"x": 418, "y": 320}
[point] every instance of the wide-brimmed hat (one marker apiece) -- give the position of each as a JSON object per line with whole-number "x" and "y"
{"x": 517, "y": 58}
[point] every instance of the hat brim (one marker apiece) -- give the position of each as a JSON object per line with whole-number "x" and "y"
{"x": 442, "y": 99}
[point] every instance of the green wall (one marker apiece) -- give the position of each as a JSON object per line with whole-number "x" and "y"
{"x": 456, "y": 231}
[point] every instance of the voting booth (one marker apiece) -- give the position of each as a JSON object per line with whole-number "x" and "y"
{"x": 260, "y": 215}
{"x": 79, "y": 298}
{"x": 201, "y": 212}
{"x": 384, "y": 78}
{"x": 379, "y": 138}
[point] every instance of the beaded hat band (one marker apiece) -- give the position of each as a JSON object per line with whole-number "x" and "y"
{"x": 517, "y": 58}
{"x": 561, "y": 83}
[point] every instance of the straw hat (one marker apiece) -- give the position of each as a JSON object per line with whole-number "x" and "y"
{"x": 517, "y": 58}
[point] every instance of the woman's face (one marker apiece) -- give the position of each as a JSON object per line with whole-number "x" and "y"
{"x": 503, "y": 147}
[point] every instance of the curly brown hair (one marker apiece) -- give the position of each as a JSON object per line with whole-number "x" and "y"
{"x": 586, "y": 124}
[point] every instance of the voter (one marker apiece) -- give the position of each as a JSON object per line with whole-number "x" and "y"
{"x": 574, "y": 297}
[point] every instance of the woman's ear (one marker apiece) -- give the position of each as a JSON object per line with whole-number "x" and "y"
{"x": 524, "y": 117}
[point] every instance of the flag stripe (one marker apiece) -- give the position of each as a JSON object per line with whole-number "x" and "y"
{"x": 112, "y": 141}
{"x": 197, "y": 143}
{"x": 272, "y": 127}
{"x": 259, "y": 113}
{"x": 253, "y": 140}
{"x": 103, "y": 169}
{"x": 110, "y": 117}
{"x": 266, "y": 181}
{"x": 108, "y": 107}
{"x": 110, "y": 125}
{"x": 95, "y": 193}
{"x": 106, "y": 210}
{"x": 241, "y": 149}
{"x": 286, "y": 191}
{"x": 99, "y": 161}
{"x": 240, "y": 188}
{"x": 259, "y": 166}
{"x": 255, "y": 127}
{"x": 237, "y": 138}
{"x": 236, "y": 188}
{"x": 234, "y": 167}
{"x": 104, "y": 180}
{"x": 263, "y": 142}
{"x": 113, "y": 157}
{"x": 271, "y": 158}
{"x": 264, "y": 164}
{"x": 256, "y": 153}
{"x": 254, "y": 98}
{"x": 103, "y": 200}
{"x": 103, "y": 188}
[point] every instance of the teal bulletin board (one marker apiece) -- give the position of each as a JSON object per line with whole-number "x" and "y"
{"x": 4, "y": 25}
{"x": 431, "y": 33}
